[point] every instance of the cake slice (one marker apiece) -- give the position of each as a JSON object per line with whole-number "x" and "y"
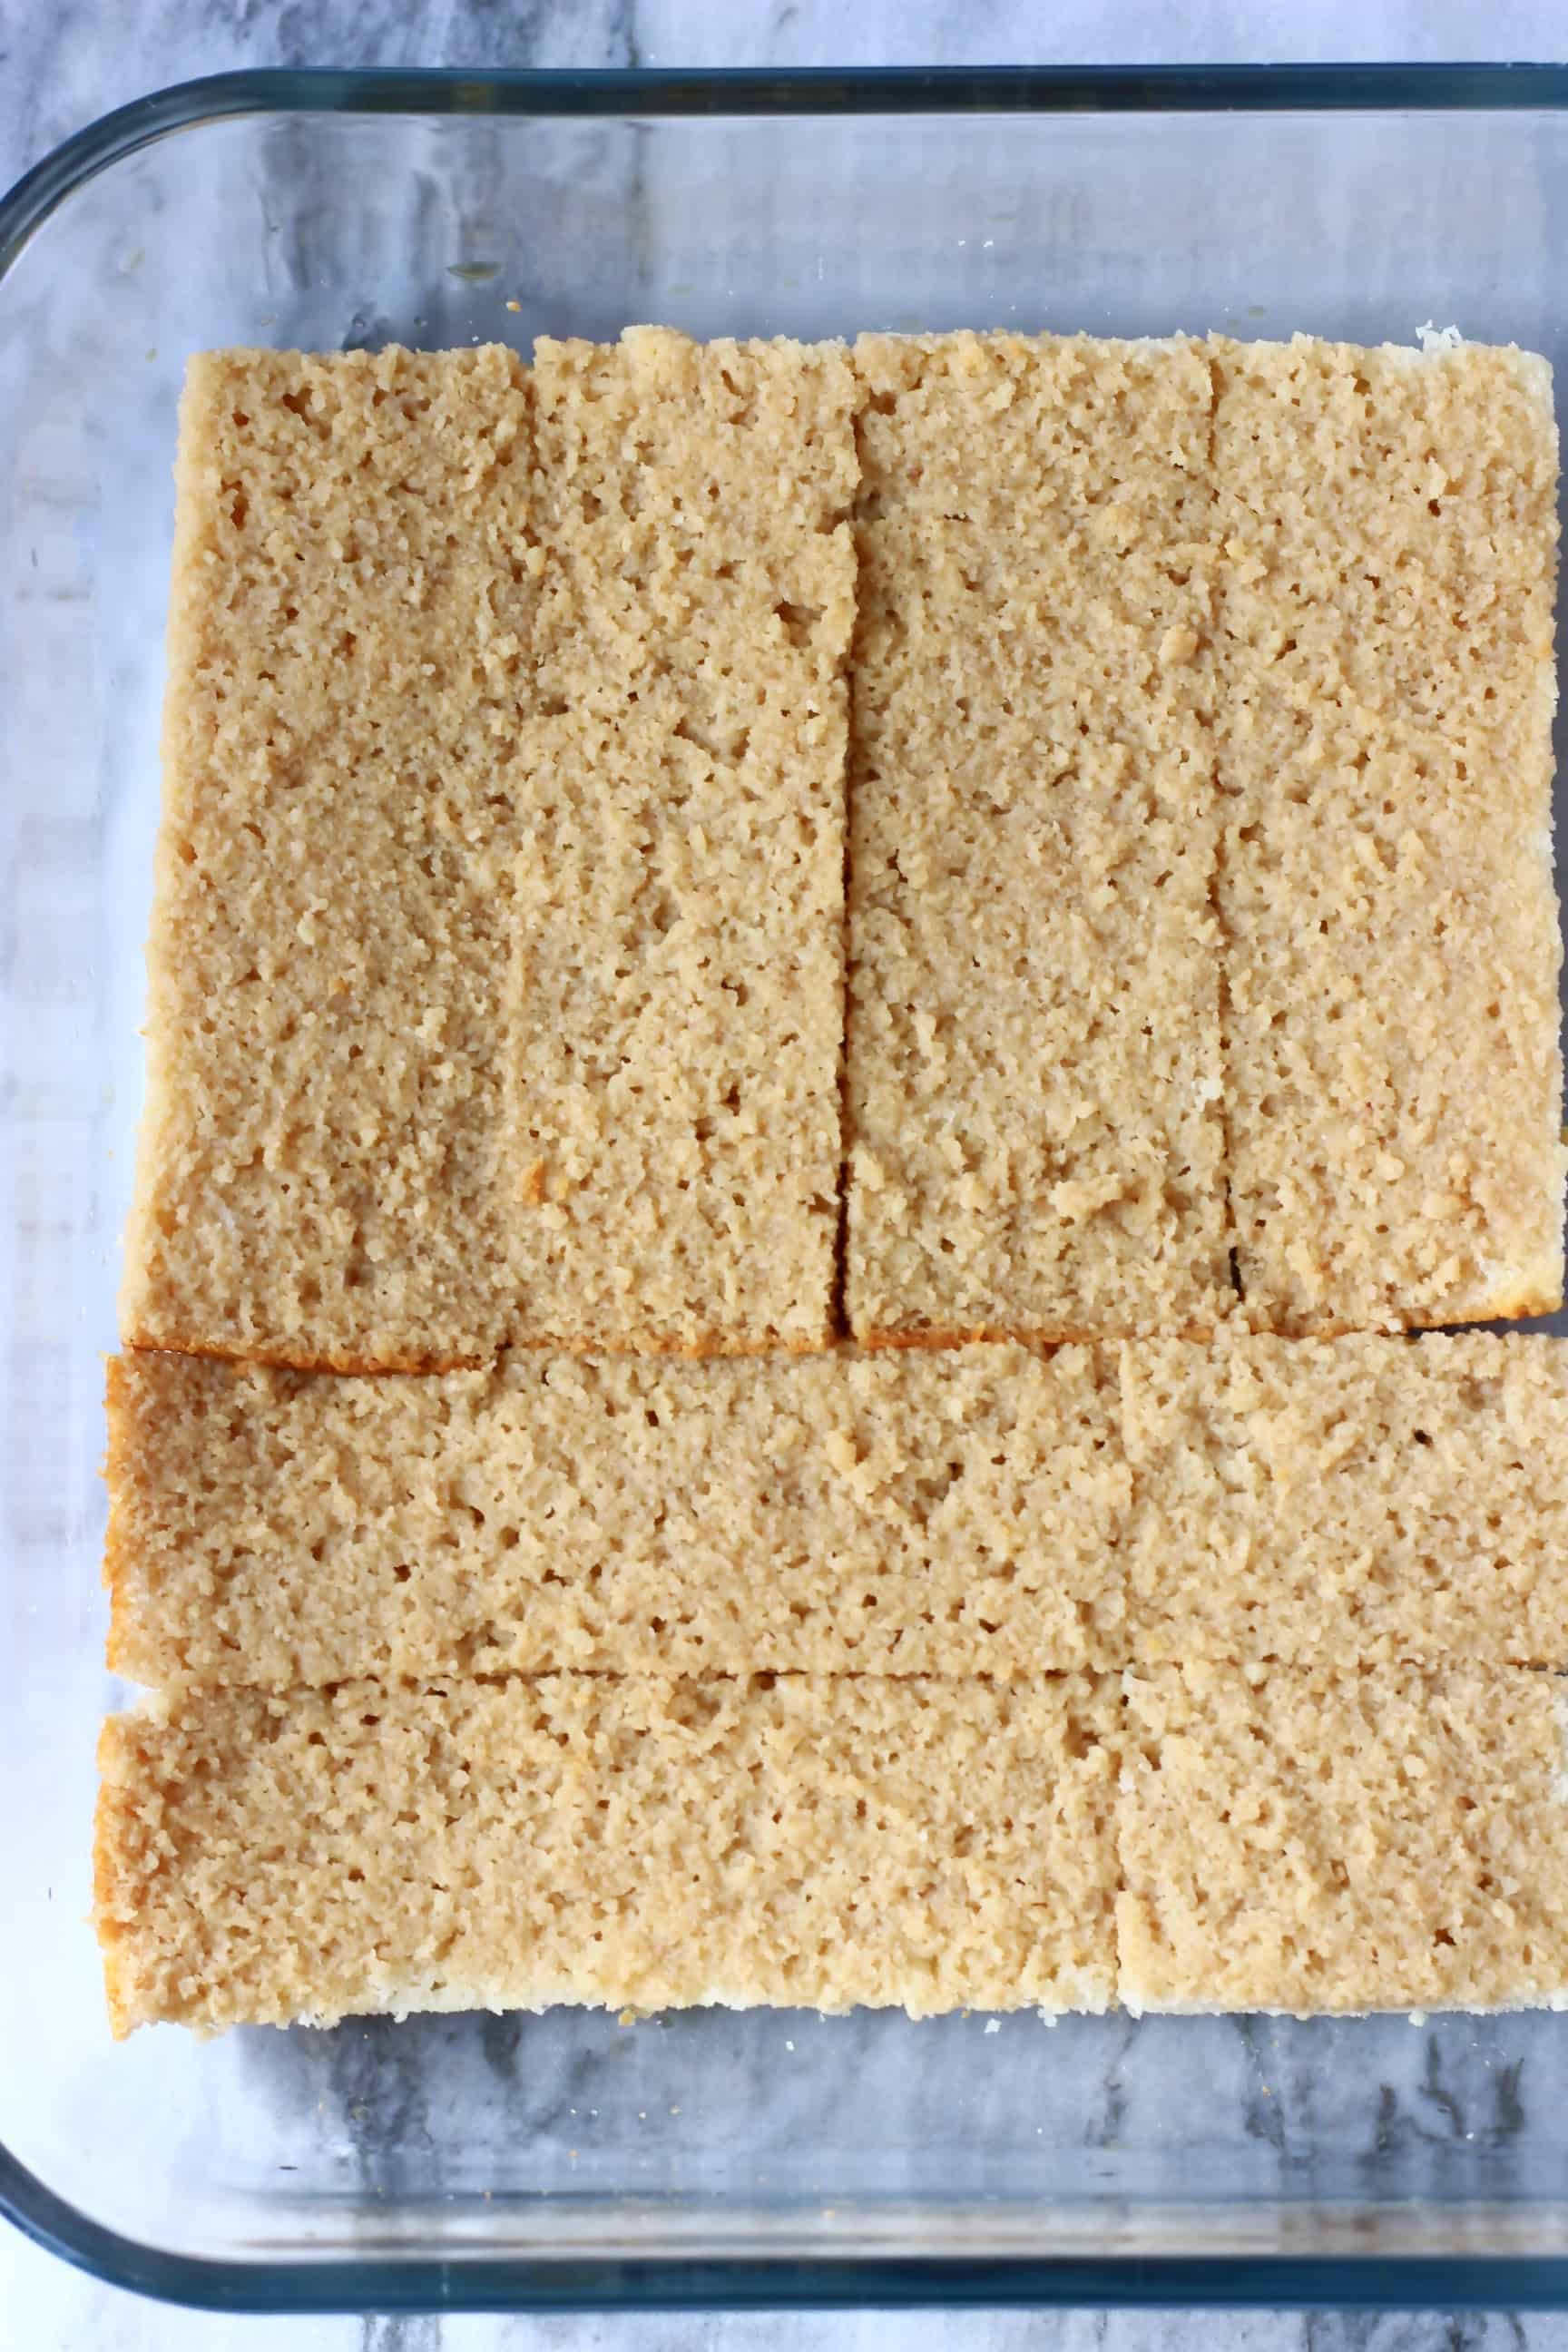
{"x": 1385, "y": 697}
{"x": 675, "y": 1006}
{"x": 318, "y": 1173}
{"x": 1344, "y": 1501}
{"x": 497, "y": 955}
{"x": 1314, "y": 1843}
{"x": 646, "y": 1844}
{"x": 948, "y": 1512}
{"x": 1034, "y": 1043}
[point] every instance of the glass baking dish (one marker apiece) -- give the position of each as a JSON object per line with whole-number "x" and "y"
{"x": 703, "y": 2159}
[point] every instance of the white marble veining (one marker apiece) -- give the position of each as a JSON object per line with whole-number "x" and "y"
{"x": 63, "y": 62}
{"x": 91, "y": 2320}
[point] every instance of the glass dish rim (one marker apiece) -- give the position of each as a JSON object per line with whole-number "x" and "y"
{"x": 496, "y": 2283}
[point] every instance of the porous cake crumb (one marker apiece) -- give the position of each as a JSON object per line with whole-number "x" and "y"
{"x": 1034, "y": 1086}
{"x": 634, "y": 1844}
{"x": 673, "y": 1075}
{"x": 1384, "y": 709}
{"x": 982, "y": 1509}
{"x": 949, "y": 1512}
{"x": 1311, "y": 1843}
{"x": 497, "y": 953}
{"x": 1347, "y": 1501}
{"x": 318, "y": 1177}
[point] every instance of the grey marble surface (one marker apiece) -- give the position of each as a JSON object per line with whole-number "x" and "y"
{"x": 62, "y": 62}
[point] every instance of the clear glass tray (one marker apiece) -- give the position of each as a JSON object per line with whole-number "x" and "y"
{"x": 700, "y": 2158}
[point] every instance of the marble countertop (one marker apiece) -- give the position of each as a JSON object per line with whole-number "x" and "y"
{"x": 62, "y": 63}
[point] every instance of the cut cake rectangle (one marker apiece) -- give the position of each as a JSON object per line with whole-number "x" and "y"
{"x": 1315, "y": 1843}
{"x": 587, "y": 1839}
{"x": 982, "y": 1509}
{"x": 1348, "y": 1501}
{"x": 496, "y": 966}
{"x": 348, "y": 672}
{"x": 947, "y": 1512}
{"x": 1034, "y": 1070}
{"x": 1386, "y": 690}
{"x": 678, "y": 969}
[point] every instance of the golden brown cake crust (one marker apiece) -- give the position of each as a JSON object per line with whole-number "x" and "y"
{"x": 1050, "y": 1336}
